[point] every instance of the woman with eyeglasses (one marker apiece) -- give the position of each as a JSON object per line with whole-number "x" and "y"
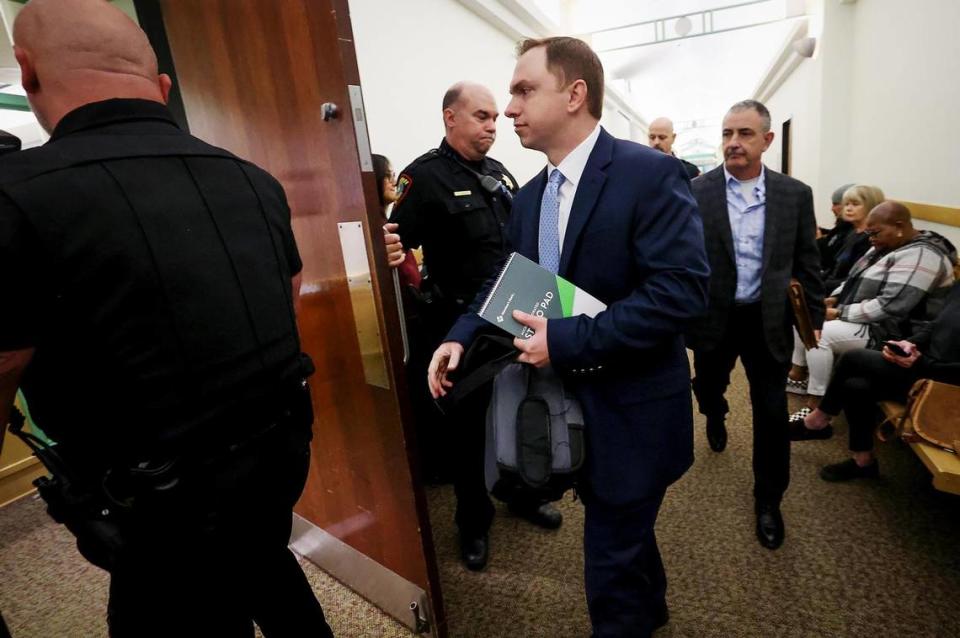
{"x": 408, "y": 271}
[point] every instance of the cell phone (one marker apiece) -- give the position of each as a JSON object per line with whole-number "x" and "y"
{"x": 896, "y": 349}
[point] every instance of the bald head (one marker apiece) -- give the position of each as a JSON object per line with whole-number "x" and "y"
{"x": 465, "y": 91}
{"x": 470, "y": 118}
{"x": 74, "y": 52}
{"x": 890, "y": 212}
{"x": 661, "y": 135}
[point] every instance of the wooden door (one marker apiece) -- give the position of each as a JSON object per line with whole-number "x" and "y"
{"x": 254, "y": 77}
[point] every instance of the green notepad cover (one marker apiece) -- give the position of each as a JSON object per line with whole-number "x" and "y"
{"x": 526, "y": 286}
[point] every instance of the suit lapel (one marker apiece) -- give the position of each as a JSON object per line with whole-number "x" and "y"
{"x": 722, "y": 213}
{"x": 588, "y": 192}
{"x": 530, "y": 223}
{"x": 771, "y": 216}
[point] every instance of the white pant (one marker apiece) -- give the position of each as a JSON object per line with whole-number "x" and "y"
{"x": 836, "y": 338}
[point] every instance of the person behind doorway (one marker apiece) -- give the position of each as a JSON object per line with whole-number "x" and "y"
{"x": 408, "y": 269}
{"x": 444, "y": 207}
{"x": 761, "y": 232}
{"x": 155, "y": 338}
{"x": 661, "y": 137}
{"x": 617, "y": 220}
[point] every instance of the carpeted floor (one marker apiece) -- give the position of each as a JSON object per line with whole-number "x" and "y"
{"x": 868, "y": 560}
{"x": 47, "y": 590}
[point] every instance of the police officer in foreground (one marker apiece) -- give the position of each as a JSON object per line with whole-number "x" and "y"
{"x": 154, "y": 337}
{"x": 445, "y": 205}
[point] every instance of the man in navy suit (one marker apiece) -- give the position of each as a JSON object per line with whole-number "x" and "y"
{"x": 618, "y": 220}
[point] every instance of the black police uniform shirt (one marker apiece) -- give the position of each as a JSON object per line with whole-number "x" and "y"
{"x": 150, "y": 271}
{"x": 690, "y": 168}
{"x": 461, "y": 226}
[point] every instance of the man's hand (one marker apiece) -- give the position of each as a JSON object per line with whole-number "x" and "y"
{"x": 832, "y": 313}
{"x": 445, "y": 359}
{"x": 816, "y": 335}
{"x": 830, "y": 302}
{"x": 903, "y": 362}
{"x": 395, "y": 253}
{"x": 533, "y": 350}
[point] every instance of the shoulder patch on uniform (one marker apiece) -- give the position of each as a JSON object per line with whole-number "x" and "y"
{"x": 507, "y": 181}
{"x": 403, "y": 186}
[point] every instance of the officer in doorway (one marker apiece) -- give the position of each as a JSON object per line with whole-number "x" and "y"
{"x": 454, "y": 201}
{"x": 154, "y": 337}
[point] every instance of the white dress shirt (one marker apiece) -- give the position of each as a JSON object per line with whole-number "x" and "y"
{"x": 571, "y": 167}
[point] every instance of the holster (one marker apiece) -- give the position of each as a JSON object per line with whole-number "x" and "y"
{"x": 102, "y": 505}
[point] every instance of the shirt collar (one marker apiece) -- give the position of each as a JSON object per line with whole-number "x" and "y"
{"x": 112, "y": 111}
{"x": 573, "y": 165}
{"x": 448, "y": 150}
{"x": 760, "y": 188}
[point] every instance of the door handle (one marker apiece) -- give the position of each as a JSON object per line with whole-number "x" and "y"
{"x": 329, "y": 111}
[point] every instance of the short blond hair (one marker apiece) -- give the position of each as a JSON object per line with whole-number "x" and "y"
{"x": 869, "y": 196}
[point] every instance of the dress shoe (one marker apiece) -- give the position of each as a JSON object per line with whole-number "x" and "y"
{"x": 546, "y": 516}
{"x": 716, "y": 433}
{"x": 475, "y": 551}
{"x": 769, "y": 525}
{"x": 848, "y": 470}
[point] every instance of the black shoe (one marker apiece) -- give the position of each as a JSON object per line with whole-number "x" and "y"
{"x": 769, "y": 525}
{"x": 546, "y": 516}
{"x": 716, "y": 433}
{"x": 800, "y": 432}
{"x": 848, "y": 470}
{"x": 475, "y": 551}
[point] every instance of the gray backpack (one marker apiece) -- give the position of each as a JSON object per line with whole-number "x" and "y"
{"x": 535, "y": 431}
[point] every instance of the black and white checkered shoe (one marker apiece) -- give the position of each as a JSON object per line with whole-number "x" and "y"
{"x": 796, "y": 387}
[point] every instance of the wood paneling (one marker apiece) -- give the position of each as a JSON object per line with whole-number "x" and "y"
{"x": 948, "y": 215}
{"x": 253, "y": 76}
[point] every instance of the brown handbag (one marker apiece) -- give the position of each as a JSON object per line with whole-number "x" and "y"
{"x": 801, "y": 315}
{"x": 932, "y": 408}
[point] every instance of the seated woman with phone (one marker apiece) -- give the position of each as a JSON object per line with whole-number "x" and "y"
{"x": 901, "y": 281}
{"x": 864, "y": 377}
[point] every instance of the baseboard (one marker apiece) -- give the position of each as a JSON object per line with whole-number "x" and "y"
{"x": 389, "y": 591}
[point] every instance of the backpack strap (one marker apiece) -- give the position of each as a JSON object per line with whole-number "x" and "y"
{"x": 481, "y": 373}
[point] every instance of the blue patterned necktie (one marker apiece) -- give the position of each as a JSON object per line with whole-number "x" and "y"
{"x": 549, "y": 239}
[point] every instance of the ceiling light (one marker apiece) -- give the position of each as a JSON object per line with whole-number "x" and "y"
{"x": 683, "y": 26}
{"x": 805, "y": 47}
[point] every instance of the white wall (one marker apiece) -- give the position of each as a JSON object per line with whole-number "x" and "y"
{"x": 408, "y": 58}
{"x": 884, "y": 88}
{"x": 906, "y": 70}
{"x": 798, "y": 100}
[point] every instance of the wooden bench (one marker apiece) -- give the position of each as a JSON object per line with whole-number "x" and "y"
{"x": 943, "y": 465}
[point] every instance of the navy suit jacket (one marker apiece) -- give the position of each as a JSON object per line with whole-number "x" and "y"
{"x": 634, "y": 240}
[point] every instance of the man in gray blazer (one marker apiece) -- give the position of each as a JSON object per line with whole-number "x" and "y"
{"x": 760, "y": 232}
